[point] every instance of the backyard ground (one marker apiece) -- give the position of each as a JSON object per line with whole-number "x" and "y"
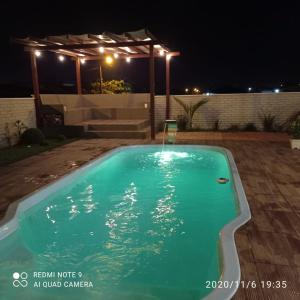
{"x": 268, "y": 245}
{"x": 18, "y": 152}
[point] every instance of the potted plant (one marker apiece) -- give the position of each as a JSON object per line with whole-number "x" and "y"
{"x": 295, "y": 130}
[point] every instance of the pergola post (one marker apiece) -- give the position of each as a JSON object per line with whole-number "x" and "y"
{"x": 78, "y": 76}
{"x": 152, "y": 92}
{"x": 36, "y": 89}
{"x": 100, "y": 76}
{"x": 167, "y": 87}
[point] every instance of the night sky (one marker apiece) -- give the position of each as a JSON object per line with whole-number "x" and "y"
{"x": 224, "y": 46}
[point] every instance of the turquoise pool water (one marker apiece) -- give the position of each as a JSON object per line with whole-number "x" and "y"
{"x": 139, "y": 225}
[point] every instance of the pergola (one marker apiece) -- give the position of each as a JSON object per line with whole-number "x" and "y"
{"x": 129, "y": 45}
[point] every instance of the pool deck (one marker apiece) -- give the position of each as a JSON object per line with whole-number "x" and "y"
{"x": 268, "y": 245}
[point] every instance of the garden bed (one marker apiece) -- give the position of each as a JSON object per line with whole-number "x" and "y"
{"x": 18, "y": 152}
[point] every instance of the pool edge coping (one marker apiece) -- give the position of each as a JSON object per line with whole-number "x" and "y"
{"x": 229, "y": 256}
{"x": 231, "y": 272}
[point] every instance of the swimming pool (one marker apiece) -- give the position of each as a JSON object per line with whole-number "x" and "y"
{"x": 137, "y": 223}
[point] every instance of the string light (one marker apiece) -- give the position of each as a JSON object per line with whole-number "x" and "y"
{"x": 61, "y": 58}
{"x": 82, "y": 60}
{"x": 161, "y": 52}
{"x": 116, "y": 55}
{"x": 101, "y": 49}
{"x": 37, "y": 53}
{"x": 168, "y": 56}
{"x": 128, "y": 59}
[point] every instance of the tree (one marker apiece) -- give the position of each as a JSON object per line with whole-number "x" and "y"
{"x": 190, "y": 109}
{"x": 111, "y": 87}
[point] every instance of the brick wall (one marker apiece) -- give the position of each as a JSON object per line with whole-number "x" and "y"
{"x": 233, "y": 109}
{"x": 11, "y": 110}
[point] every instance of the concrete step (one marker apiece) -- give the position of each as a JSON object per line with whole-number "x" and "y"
{"x": 122, "y": 134}
{"x": 116, "y": 125}
{"x": 120, "y": 113}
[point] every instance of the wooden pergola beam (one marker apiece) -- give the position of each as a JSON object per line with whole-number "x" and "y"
{"x": 95, "y": 38}
{"x": 59, "y": 40}
{"x": 66, "y": 52}
{"x": 94, "y": 45}
{"x": 36, "y": 89}
{"x": 167, "y": 87}
{"x": 152, "y": 91}
{"x": 76, "y": 39}
{"x": 113, "y": 37}
{"x": 78, "y": 76}
{"x": 132, "y": 38}
{"x": 97, "y": 57}
{"x": 60, "y": 51}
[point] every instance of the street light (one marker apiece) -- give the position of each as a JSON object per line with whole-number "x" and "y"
{"x": 109, "y": 60}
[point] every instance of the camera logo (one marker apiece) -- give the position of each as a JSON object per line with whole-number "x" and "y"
{"x": 20, "y": 279}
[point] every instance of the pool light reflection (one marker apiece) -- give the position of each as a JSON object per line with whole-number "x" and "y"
{"x": 167, "y": 156}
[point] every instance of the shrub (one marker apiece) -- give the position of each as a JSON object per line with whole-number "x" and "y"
{"x": 233, "y": 128}
{"x": 286, "y": 126}
{"x": 61, "y": 137}
{"x": 32, "y": 136}
{"x": 190, "y": 109}
{"x": 268, "y": 122}
{"x": 20, "y": 126}
{"x": 295, "y": 129}
{"x": 182, "y": 122}
{"x": 250, "y": 127}
{"x": 216, "y": 126}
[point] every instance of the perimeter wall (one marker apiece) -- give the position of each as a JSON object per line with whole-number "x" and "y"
{"x": 12, "y": 110}
{"x": 228, "y": 109}
{"x": 233, "y": 109}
